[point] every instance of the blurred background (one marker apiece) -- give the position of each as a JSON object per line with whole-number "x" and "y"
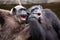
{"x": 54, "y": 5}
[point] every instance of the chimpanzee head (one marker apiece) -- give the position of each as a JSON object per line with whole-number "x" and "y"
{"x": 20, "y": 13}
{"x": 36, "y": 12}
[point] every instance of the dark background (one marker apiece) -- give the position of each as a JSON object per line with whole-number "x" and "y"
{"x": 55, "y": 7}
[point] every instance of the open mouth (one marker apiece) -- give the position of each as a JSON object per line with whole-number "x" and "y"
{"x": 23, "y": 16}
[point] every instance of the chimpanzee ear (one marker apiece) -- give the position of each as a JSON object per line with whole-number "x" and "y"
{"x": 14, "y": 11}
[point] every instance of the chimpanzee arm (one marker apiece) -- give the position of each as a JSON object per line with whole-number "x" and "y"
{"x": 36, "y": 29}
{"x": 54, "y": 20}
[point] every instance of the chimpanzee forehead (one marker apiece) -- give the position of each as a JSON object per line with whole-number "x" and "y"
{"x": 19, "y": 7}
{"x": 22, "y": 9}
{"x": 34, "y": 9}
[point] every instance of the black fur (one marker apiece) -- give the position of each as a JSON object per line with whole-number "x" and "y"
{"x": 37, "y": 31}
{"x": 48, "y": 29}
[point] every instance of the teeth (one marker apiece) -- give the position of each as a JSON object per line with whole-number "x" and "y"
{"x": 23, "y": 16}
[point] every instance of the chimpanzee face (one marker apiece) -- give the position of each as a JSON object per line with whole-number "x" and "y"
{"x": 20, "y": 13}
{"x": 36, "y": 11}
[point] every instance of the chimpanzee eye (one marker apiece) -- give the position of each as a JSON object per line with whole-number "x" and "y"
{"x": 38, "y": 14}
{"x": 34, "y": 9}
{"x": 23, "y": 9}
